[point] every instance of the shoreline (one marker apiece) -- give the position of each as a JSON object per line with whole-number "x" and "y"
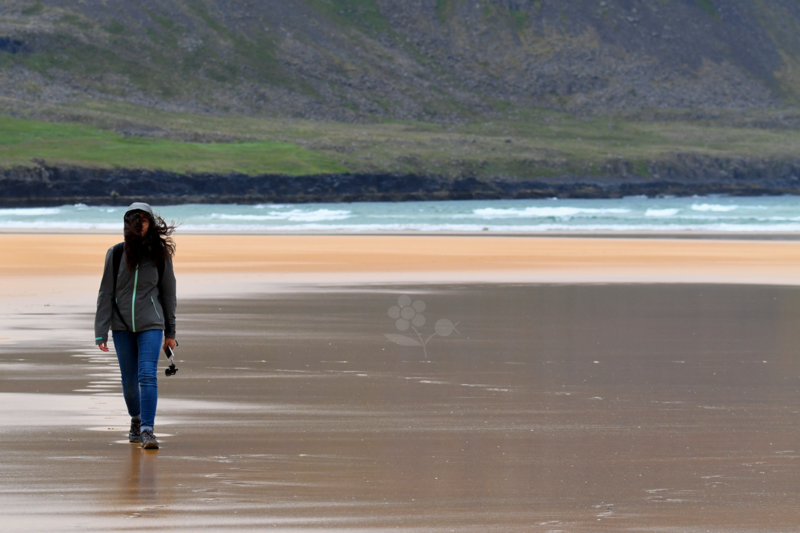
{"x": 577, "y": 234}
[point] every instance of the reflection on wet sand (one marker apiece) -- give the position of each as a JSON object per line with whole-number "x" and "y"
{"x": 138, "y": 488}
{"x": 548, "y": 408}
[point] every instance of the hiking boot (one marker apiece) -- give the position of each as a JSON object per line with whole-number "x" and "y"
{"x": 149, "y": 441}
{"x": 135, "y": 434}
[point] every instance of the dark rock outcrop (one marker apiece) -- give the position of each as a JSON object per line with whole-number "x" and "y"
{"x": 681, "y": 176}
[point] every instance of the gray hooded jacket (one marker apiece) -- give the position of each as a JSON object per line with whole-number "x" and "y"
{"x": 138, "y": 299}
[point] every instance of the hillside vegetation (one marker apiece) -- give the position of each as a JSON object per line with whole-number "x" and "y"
{"x": 448, "y": 88}
{"x": 545, "y": 144}
{"x": 439, "y": 60}
{"x": 23, "y": 142}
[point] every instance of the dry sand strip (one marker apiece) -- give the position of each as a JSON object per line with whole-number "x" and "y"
{"x": 422, "y": 258}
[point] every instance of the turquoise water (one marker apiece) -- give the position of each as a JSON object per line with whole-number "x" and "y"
{"x": 722, "y": 214}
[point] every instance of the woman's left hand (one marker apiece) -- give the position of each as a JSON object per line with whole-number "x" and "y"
{"x": 169, "y": 341}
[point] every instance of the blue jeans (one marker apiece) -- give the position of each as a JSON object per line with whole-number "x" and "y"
{"x": 138, "y": 363}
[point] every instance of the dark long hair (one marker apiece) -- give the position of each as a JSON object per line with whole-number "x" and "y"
{"x": 157, "y": 245}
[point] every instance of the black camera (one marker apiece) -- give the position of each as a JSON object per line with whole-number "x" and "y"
{"x": 172, "y": 370}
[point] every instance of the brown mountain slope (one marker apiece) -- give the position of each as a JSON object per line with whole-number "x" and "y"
{"x": 423, "y": 59}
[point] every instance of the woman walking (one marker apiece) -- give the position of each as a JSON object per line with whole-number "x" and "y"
{"x": 137, "y": 302}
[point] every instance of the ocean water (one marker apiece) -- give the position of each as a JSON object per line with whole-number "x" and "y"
{"x": 716, "y": 214}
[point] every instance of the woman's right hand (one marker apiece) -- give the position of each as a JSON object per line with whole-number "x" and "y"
{"x": 103, "y": 346}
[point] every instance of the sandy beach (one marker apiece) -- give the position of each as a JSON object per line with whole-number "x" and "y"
{"x": 552, "y": 385}
{"x": 532, "y": 258}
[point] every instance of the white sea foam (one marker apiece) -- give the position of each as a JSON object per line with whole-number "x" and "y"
{"x": 553, "y": 212}
{"x": 30, "y": 212}
{"x": 223, "y": 216}
{"x": 60, "y": 225}
{"x": 715, "y": 208}
{"x": 661, "y": 212}
{"x": 774, "y": 214}
{"x": 419, "y": 227}
{"x": 295, "y": 215}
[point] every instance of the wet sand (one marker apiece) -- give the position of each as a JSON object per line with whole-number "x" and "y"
{"x": 550, "y": 407}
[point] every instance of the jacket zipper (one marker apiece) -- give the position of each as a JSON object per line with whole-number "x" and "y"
{"x": 133, "y": 304}
{"x": 154, "y": 307}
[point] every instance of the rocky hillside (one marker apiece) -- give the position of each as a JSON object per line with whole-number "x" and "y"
{"x": 441, "y": 60}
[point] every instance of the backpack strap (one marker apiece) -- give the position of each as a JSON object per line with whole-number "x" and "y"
{"x": 116, "y": 260}
{"x": 160, "y": 275}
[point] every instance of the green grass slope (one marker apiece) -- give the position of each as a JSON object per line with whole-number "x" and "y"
{"x": 27, "y": 142}
{"x": 542, "y": 144}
